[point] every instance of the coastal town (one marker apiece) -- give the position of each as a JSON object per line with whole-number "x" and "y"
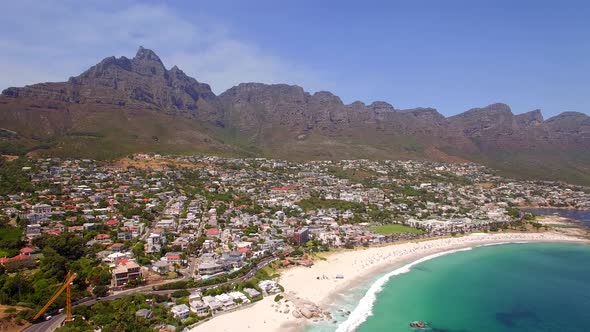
{"x": 180, "y": 239}
{"x": 294, "y": 166}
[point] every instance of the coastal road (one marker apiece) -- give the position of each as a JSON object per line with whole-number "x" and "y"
{"x": 50, "y": 325}
{"x": 55, "y": 322}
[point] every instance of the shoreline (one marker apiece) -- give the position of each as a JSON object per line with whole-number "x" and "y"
{"x": 565, "y": 208}
{"x": 318, "y": 284}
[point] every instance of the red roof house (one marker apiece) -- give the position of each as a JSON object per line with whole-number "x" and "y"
{"x": 213, "y": 232}
{"x": 26, "y": 251}
{"x": 112, "y": 222}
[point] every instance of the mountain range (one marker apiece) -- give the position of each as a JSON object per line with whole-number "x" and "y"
{"x": 121, "y": 106}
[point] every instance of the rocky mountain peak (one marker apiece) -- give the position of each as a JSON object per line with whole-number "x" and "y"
{"x": 571, "y": 122}
{"x": 529, "y": 119}
{"x": 495, "y": 118}
{"x": 490, "y": 110}
{"x": 146, "y": 54}
{"x": 381, "y": 106}
{"x": 427, "y": 113}
{"x": 146, "y": 62}
{"x": 141, "y": 82}
{"x": 570, "y": 116}
{"x": 102, "y": 68}
{"x": 326, "y": 97}
{"x": 265, "y": 92}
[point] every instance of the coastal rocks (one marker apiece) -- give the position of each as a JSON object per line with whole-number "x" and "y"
{"x": 306, "y": 313}
{"x": 344, "y": 312}
{"x": 303, "y": 308}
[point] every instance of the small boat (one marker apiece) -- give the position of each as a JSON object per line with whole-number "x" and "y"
{"x": 418, "y": 325}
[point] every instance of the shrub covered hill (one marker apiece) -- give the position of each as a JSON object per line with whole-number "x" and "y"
{"x": 122, "y": 105}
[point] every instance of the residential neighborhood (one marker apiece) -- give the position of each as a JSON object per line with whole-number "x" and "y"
{"x": 156, "y": 220}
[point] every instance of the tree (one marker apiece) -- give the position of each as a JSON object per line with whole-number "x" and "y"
{"x": 53, "y": 264}
{"x": 19, "y": 265}
{"x": 138, "y": 249}
{"x": 100, "y": 291}
{"x": 100, "y": 275}
{"x": 11, "y": 237}
{"x": 180, "y": 293}
{"x": 12, "y": 177}
{"x": 67, "y": 244}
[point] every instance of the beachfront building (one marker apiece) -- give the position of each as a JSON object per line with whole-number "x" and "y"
{"x": 213, "y": 303}
{"x": 180, "y": 311}
{"x": 226, "y": 301}
{"x": 253, "y": 293}
{"x": 269, "y": 286}
{"x": 200, "y": 308}
{"x": 239, "y": 297}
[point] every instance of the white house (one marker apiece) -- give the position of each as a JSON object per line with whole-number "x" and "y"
{"x": 269, "y": 286}
{"x": 200, "y": 308}
{"x": 226, "y": 300}
{"x": 180, "y": 311}
{"x": 239, "y": 296}
{"x": 213, "y": 303}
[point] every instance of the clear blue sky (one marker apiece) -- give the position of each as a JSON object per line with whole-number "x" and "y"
{"x": 451, "y": 55}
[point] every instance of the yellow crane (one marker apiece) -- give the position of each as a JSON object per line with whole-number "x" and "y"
{"x": 67, "y": 287}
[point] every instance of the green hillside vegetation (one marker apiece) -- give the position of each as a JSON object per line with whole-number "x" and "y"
{"x": 354, "y": 175}
{"x": 563, "y": 165}
{"x": 107, "y": 132}
{"x": 10, "y": 240}
{"x": 13, "y": 180}
{"x": 395, "y": 229}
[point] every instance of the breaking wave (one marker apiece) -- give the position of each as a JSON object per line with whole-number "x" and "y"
{"x": 364, "y": 309}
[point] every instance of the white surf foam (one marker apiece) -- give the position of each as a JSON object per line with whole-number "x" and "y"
{"x": 502, "y": 243}
{"x": 365, "y": 307}
{"x": 495, "y": 244}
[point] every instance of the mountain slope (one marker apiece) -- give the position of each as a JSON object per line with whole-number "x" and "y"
{"x": 122, "y": 105}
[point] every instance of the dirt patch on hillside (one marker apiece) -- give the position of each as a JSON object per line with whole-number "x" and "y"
{"x": 156, "y": 164}
{"x": 9, "y": 157}
{"x": 9, "y": 321}
{"x": 436, "y": 154}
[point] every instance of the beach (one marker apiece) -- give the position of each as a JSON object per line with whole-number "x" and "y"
{"x": 342, "y": 270}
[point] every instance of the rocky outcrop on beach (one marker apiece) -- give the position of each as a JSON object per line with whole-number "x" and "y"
{"x": 301, "y": 308}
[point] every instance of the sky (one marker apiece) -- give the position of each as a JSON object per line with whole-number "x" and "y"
{"x": 451, "y": 55}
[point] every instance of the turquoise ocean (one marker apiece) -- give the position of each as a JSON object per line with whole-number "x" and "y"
{"x": 511, "y": 287}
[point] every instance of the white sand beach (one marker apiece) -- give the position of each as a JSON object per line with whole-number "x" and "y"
{"x": 319, "y": 284}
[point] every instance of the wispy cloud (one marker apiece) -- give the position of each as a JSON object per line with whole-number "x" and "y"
{"x": 50, "y": 41}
